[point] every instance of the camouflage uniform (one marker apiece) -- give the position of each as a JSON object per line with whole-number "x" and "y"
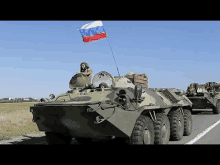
{"x": 86, "y": 77}
{"x": 218, "y": 90}
{"x": 86, "y": 69}
{"x": 191, "y": 90}
{"x": 80, "y": 80}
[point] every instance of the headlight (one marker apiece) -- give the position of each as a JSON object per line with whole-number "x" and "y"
{"x": 51, "y": 96}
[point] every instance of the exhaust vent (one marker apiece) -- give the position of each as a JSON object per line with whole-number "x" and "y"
{"x": 171, "y": 96}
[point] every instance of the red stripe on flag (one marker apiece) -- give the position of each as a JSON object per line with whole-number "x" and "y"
{"x": 94, "y": 37}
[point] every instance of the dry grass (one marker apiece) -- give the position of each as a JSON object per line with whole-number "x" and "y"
{"x": 16, "y": 120}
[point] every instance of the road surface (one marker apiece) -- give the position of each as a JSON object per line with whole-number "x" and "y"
{"x": 205, "y": 130}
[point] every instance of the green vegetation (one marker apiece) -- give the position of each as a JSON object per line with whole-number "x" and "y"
{"x": 17, "y": 100}
{"x": 8, "y": 107}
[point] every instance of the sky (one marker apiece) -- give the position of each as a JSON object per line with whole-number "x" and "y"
{"x": 38, "y": 58}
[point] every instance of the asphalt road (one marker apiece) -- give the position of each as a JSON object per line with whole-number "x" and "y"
{"x": 203, "y": 132}
{"x": 202, "y": 120}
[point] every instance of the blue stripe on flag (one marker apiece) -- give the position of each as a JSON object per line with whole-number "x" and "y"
{"x": 92, "y": 31}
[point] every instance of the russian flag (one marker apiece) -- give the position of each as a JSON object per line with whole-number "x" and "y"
{"x": 93, "y": 31}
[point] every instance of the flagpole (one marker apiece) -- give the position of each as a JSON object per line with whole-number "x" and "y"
{"x": 113, "y": 54}
{"x": 108, "y": 43}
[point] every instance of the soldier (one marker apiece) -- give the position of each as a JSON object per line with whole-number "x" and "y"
{"x": 218, "y": 90}
{"x": 84, "y": 69}
{"x": 191, "y": 89}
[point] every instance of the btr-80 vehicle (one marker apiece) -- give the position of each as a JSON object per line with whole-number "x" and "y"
{"x": 113, "y": 108}
{"x": 205, "y": 96}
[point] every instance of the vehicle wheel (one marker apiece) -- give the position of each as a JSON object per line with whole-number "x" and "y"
{"x": 162, "y": 129}
{"x": 176, "y": 125}
{"x": 57, "y": 138}
{"x": 143, "y": 131}
{"x": 216, "y": 110}
{"x": 187, "y": 122}
{"x": 84, "y": 140}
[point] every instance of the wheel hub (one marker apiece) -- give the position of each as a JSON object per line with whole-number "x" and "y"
{"x": 180, "y": 125}
{"x": 164, "y": 132}
{"x": 147, "y": 137}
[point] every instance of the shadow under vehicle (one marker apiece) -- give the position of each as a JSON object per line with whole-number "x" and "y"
{"x": 113, "y": 108}
{"x": 205, "y": 96}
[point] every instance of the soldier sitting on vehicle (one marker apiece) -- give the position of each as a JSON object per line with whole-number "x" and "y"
{"x": 82, "y": 78}
{"x": 191, "y": 89}
{"x": 84, "y": 69}
{"x": 217, "y": 90}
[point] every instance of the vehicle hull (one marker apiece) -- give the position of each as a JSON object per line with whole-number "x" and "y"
{"x": 78, "y": 122}
{"x": 203, "y": 102}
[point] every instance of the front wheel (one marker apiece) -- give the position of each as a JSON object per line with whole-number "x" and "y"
{"x": 216, "y": 110}
{"x": 143, "y": 131}
{"x": 187, "y": 122}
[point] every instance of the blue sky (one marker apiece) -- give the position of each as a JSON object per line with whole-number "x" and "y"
{"x": 38, "y": 58}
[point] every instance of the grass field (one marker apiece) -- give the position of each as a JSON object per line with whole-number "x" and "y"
{"x": 16, "y": 120}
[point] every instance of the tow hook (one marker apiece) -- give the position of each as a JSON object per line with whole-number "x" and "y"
{"x": 99, "y": 120}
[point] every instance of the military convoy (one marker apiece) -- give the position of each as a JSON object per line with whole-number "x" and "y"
{"x": 114, "y": 107}
{"x": 205, "y": 96}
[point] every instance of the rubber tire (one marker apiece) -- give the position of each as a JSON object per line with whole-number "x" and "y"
{"x": 84, "y": 140}
{"x": 57, "y": 138}
{"x": 158, "y": 125}
{"x": 176, "y": 133}
{"x": 137, "y": 135}
{"x": 187, "y": 122}
{"x": 216, "y": 110}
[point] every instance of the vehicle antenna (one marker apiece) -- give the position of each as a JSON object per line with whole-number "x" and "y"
{"x": 113, "y": 57}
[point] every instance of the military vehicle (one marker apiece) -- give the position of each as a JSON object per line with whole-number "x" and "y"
{"x": 113, "y": 108}
{"x": 205, "y": 96}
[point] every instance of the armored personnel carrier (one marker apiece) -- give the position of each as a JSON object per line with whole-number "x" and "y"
{"x": 205, "y": 96}
{"x": 113, "y": 107}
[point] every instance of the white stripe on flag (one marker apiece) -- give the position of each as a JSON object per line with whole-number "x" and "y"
{"x": 92, "y": 24}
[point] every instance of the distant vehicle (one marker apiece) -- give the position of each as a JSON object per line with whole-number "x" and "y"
{"x": 205, "y": 96}
{"x": 113, "y": 108}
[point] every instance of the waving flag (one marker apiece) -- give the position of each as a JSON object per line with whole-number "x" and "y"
{"x": 93, "y": 31}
